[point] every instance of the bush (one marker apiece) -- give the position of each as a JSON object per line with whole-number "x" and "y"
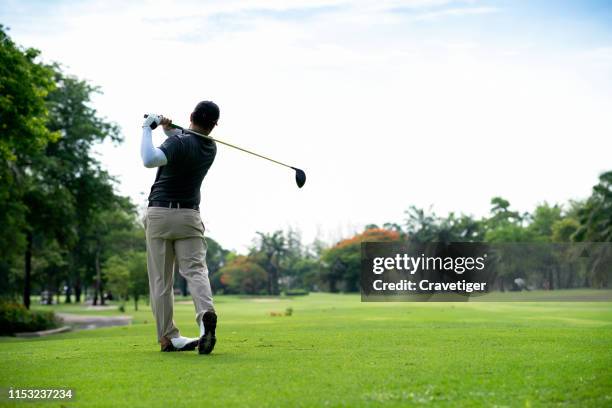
{"x": 15, "y": 318}
{"x": 296, "y": 292}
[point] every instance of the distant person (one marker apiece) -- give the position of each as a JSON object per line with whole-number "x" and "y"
{"x": 519, "y": 284}
{"x": 174, "y": 229}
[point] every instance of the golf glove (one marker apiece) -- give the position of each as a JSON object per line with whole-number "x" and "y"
{"x": 152, "y": 120}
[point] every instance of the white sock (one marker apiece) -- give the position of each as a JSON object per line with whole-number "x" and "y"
{"x": 202, "y": 330}
{"x": 180, "y": 342}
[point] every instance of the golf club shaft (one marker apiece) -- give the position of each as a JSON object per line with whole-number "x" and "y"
{"x": 227, "y": 144}
{"x": 230, "y": 145}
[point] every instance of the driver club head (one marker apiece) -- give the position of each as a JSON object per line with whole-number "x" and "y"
{"x": 300, "y": 177}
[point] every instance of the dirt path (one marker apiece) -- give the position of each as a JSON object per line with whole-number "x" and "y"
{"x": 93, "y": 322}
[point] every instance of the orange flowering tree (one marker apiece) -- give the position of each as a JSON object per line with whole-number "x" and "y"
{"x": 342, "y": 262}
{"x": 243, "y": 275}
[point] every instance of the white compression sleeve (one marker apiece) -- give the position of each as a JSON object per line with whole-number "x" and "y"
{"x": 151, "y": 156}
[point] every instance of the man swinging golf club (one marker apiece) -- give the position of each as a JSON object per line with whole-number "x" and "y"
{"x": 174, "y": 229}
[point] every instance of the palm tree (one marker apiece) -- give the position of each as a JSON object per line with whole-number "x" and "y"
{"x": 273, "y": 248}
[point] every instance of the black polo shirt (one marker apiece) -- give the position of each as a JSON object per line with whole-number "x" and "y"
{"x": 189, "y": 158}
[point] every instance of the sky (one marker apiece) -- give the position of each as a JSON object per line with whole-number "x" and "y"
{"x": 442, "y": 104}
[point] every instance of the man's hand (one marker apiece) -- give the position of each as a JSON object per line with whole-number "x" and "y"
{"x": 166, "y": 122}
{"x": 152, "y": 120}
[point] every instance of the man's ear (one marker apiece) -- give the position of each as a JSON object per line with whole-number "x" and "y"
{"x": 191, "y": 117}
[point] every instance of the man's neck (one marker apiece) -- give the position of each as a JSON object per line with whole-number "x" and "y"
{"x": 199, "y": 129}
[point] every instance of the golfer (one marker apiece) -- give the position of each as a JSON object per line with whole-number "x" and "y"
{"x": 173, "y": 227}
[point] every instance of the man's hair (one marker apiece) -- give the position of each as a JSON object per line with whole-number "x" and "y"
{"x": 205, "y": 114}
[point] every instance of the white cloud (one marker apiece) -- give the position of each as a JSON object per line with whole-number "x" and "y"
{"x": 455, "y": 12}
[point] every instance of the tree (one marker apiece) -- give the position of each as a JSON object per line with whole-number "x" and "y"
{"x": 243, "y": 275}
{"x": 505, "y": 225}
{"x": 269, "y": 250}
{"x": 502, "y": 227}
{"x": 564, "y": 229}
{"x": 24, "y": 85}
{"x": 111, "y": 233}
{"x": 303, "y": 272}
{"x": 595, "y": 219}
{"x": 342, "y": 262}
{"x": 543, "y": 220}
{"x": 50, "y": 211}
{"x": 139, "y": 278}
{"x": 500, "y": 212}
{"x": 422, "y": 227}
{"x": 596, "y": 215}
{"x": 127, "y": 275}
{"x": 69, "y": 161}
{"x": 117, "y": 274}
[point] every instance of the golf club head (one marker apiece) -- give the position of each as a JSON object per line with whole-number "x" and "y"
{"x": 300, "y": 177}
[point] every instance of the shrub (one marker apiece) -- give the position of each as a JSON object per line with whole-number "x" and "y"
{"x": 296, "y": 292}
{"x": 15, "y": 318}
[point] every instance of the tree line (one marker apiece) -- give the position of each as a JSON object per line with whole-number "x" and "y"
{"x": 279, "y": 261}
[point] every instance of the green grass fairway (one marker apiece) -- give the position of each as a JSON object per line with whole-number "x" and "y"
{"x": 334, "y": 351}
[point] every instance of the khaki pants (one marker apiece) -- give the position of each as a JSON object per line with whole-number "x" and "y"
{"x": 176, "y": 234}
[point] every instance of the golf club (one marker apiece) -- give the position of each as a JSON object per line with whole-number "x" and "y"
{"x": 300, "y": 176}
